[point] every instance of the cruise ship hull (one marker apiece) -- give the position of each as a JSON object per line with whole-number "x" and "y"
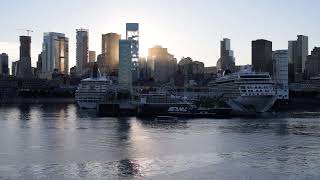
{"x": 251, "y": 104}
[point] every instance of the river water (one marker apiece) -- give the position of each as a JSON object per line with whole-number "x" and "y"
{"x": 64, "y": 142}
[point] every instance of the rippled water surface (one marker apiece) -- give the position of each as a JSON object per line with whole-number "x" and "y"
{"x": 63, "y": 142}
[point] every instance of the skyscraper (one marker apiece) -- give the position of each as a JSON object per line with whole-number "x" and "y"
{"x": 55, "y": 53}
{"x": 82, "y": 51}
{"x": 143, "y": 69}
{"x": 39, "y": 66}
{"x": 262, "y": 55}
{"x": 280, "y": 73}
{"x": 313, "y": 63}
{"x": 132, "y": 34}
{"x": 162, "y": 64}
{"x": 4, "y": 64}
{"x": 24, "y": 62}
{"x": 109, "y": 58}
{"x": 298, "y": 52}
{"x": 92, "y": 56}
{"x": 227, "y": 60}
{"x": 125, "y": 65}
{"x": 14, "y": 68}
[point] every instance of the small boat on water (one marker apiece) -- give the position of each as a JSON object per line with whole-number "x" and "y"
{"x": 166, "y": 119}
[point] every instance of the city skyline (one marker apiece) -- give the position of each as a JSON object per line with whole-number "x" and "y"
{"x": 196, "y": 36}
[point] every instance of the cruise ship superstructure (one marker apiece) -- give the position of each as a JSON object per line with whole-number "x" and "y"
{"x": 247, "y": 91}
{"x": 93, "y": 90}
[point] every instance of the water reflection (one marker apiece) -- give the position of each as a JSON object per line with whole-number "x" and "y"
{"x": 128, "y": 168}
{"x": 55, "y": 141}
{"x": 174, "y": 125}
{"x": 24, "y": 112}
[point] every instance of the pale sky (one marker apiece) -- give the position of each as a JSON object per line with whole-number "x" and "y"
{"x": 191, "y": 28}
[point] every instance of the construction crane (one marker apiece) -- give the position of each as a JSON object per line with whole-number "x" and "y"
{"x": 29, "y": 31}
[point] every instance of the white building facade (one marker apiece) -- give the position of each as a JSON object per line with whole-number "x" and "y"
{"x": 280, "y": 73}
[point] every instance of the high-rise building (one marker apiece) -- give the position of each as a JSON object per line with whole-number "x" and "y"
{"x": 313, "y": 63}
{"x": 55, "y": 53}
{"x": 162, "y": 64}
{"x": 92, "y": 56}
{"x": 262, "y": 56}
{"x": 4, "y": 64}
{"x": 227, "y": 60}
{"x": 132, "y": 34}
{"x": 14, "y": 68}
{"x": 73, "y": 71}
{"x": 292, "y": 54}
{"x": 125, "y": 65}
{"x": 38, "y": 70}
{"x": 109, "y": 59}
{"x": 25, "y": 46}
{"x": 298, "y": 52}
{"x": 143, "y": 69}
{"x": 280, "y": 73}
{"x": 82, "y": 51}
{"x": 190, "y": 68}
{"x": 24, "y": 69}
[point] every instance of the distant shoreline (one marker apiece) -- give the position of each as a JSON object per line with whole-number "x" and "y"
{"x": 37, "y": 101}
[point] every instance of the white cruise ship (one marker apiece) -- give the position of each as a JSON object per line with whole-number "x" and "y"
{"x": 93, "y": 90}
{"x": 247, "y": 91}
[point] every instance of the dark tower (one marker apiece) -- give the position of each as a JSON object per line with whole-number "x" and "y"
{"x": 25, "y": 57}
{"x": 262, "y": 56}
{"x": 25, "y": 46}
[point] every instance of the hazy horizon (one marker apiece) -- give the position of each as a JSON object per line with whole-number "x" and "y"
{"x": 189, "y": 28}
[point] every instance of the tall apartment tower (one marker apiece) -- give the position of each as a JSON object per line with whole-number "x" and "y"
{"x": 109, "y": 58}
{"x": 82, "y": 50}
{"x": 14, "y": 68}
{"x": 162, "y": 64}
{"x": 55, "y": 53}
{"x": 24, "y": 62}
{"x": 298, "y": 51}
{"x": 227, "y": 60}
{"x": 132, "y": 34}
{"x": 92, "y": 56}
{"x": 125, "y": 65}
{"x": 280, "y": 73}
{"x": 262, "y": 55}
{"x": 4, "y": 64}
{"x": 313, "y": 63}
